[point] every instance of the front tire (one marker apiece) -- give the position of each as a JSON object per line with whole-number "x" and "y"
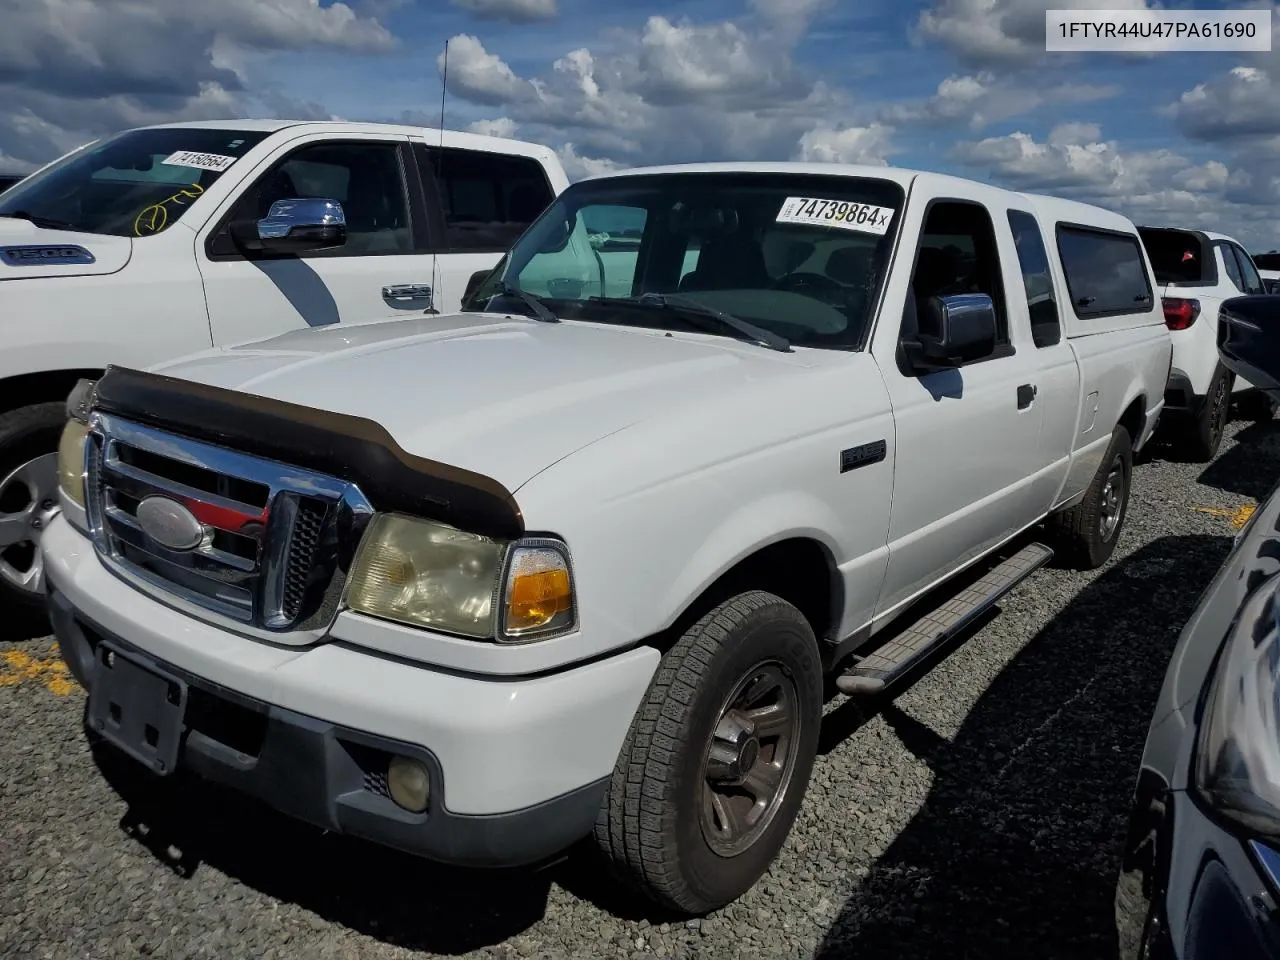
{"x": 28, "y": 499}
{"x": 1085, "y": 536}
{"x": 718, "y": 757}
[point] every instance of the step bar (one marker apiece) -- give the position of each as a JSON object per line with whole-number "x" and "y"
{"x": 871, "y": 674}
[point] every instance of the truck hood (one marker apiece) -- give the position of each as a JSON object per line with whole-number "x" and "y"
{"x": 498, "y": 395}
{"x": 109, "y": 253}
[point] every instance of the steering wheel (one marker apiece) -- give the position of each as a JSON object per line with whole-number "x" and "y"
{"x": 815, "y": 285}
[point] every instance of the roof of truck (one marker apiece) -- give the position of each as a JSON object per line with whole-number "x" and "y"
{"x": 450, "y": 138}
{"x": 1056, "y": 208}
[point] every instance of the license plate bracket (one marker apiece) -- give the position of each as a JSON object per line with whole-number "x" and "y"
{"x": 138, "y": 708}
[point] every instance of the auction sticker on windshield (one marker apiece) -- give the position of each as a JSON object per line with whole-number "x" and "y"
{"x": 204, "y": 161}
{"x": 863, "y": 217}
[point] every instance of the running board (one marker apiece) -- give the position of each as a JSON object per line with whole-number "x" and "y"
{"x": 878, "y": 669}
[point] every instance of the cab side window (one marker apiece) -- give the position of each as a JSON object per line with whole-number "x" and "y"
{"x": 365, "y": 177}
{"x": 1033, "y": 258}
{"x": 957, "y": 254}
{"x": 1105, "y": 271}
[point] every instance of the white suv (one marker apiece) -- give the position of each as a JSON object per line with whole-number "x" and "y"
{"x": 1197, "y": 271}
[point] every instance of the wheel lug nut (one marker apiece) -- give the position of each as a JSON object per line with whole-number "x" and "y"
{"x": 46, "y": 505}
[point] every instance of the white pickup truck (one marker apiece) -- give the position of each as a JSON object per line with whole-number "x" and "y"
{"x": 587, "y": 557}
{"x": 146, "y": 246}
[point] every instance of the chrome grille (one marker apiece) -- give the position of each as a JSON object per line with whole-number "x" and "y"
{"x": 271, "y": 558}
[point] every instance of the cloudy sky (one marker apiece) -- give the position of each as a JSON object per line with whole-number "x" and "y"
{"x": 963, "y": 86}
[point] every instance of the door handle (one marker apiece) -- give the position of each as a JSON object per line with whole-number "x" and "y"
{"x": 407, "y": 292}
{"x": 1026, "y": 393}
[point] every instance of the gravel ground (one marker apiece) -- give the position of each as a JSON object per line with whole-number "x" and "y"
{"x": 977, "y": 815}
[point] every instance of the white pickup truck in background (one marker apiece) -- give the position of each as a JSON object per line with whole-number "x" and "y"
{"x": 583, "y": 558}
{"x": 145, "y": 246}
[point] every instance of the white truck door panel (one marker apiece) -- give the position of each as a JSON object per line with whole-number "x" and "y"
{"x": 968, "y": 449}
{"x": 382, "y": 271}
{"x": 1036, "y": 323}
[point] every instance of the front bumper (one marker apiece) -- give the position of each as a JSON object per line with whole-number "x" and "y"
{"x": 518, "y": 766}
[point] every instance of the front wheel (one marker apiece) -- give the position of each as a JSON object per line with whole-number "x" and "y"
{"x": 28, "y": 498}
{"x": 718, "y": 757}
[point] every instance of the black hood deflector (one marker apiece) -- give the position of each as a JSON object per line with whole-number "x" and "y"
{"x": 351, "y": 448}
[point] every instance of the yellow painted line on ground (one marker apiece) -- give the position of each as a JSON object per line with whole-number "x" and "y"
{"x": 17, "y": 667}
{"x": 1238, "y": 517}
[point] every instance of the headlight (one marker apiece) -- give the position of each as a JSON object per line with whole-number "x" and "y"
{"x": 71, "y": 460}
{"x": 1238, "y": 756}
{"x": 432, "y": 575}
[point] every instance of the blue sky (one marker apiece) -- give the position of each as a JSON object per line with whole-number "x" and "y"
{"x": 963, "y": 86}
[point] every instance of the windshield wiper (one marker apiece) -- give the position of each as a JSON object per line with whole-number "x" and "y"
{"x": 47, "y": 223}
{"x": 676, "y": 301}
{"x": 535, "y": 304}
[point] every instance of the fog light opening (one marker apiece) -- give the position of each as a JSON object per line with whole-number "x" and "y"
{"x": 408, "y": 784}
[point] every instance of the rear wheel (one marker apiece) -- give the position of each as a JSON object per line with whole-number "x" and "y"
{"x": 718, "y": 757}
{"x": 1085, "y": 536}
{"x": 1200, "y": 439}
{"x": 28, "y": 498}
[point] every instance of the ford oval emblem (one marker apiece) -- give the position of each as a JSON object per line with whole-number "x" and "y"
{"x": 169, "y": 523}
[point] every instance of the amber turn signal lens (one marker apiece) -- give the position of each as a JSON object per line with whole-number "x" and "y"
{"x": 539, "y": 592}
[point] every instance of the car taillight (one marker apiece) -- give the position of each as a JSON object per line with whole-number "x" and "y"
{"x": 1179, "y": 313}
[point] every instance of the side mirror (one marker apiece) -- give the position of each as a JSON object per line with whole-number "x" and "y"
{"x": 953, "y": 330}
{"x": 295, "y": 226}
{"x": 474, "y": 283}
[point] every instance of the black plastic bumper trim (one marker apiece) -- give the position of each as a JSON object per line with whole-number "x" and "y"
{"x": 310, "y": 769}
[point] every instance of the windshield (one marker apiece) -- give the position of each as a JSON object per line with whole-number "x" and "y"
{"x": 799, "y": 255}
{"x": 134, "y": 184}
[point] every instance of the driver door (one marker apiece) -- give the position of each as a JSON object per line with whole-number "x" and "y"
{"x": 968, "y": 447}
{"x": 254, "y": 296}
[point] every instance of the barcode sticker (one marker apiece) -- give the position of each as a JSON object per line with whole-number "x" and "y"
{"x": 202, "y": 161}
{"x": 845, "y": 214}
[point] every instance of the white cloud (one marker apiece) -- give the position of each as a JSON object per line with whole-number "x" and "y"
{"x": 72, "y": 70}
{"x": 1149, "y": 186}
{"x": 673, "y": 90}
{"x": 979, "y": 100}
{"x": 515, "y": 11}
{"x": 1239, "y": 103}
{"x": 1000, "y": 32}
{"x": 498, "y": 127}
{"x": 576, "y": 166}
{"x": 865, "y": 145}
{"x": 479, "y": 76}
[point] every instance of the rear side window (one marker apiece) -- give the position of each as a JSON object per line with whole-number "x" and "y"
{"x": 1105, "y": 272}
{"x": 486, "y": 199}
{"x": 1249, "y": 273}
{"x": 1178, "y": 256}
{"x": 1033, "y": 258}
{"x": 1232, "y": 266}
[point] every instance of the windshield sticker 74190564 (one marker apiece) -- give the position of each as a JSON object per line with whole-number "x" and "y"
{"x": 202, "y": 161}
{"x": 847, "y": 215}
